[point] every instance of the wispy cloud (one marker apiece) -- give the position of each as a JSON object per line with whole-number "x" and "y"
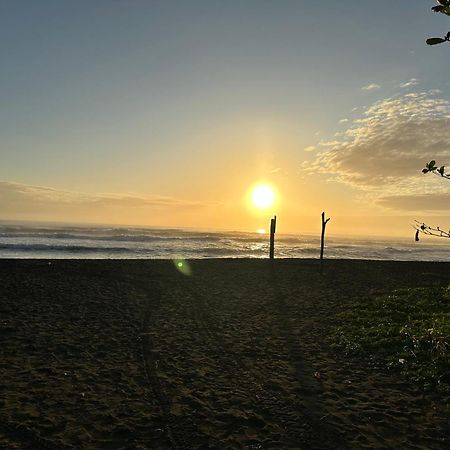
{"x": 45, "y": 202}
{"x": 42, "y": 194}
{"x": 310, "y": 148}
{"x": 412, "y": 82}
{"x": 329, "y": 143}
{"x": 384, "y": 150}
{"x": 371, "y": 87}
{"x": 417, "y": 202}
{"x": 343, "y": 121}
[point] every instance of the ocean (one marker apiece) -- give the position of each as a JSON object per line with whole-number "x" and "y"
{"x": 82, "y": 242}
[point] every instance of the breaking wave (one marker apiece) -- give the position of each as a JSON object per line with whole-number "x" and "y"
{"x": 18, "y": 241}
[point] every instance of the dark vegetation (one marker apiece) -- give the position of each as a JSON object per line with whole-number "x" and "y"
{"x": 431, "y": 167}
{"x": 443, "y": 7}
{"x": 408, "y": 331}
{"x": 420, "y": 227}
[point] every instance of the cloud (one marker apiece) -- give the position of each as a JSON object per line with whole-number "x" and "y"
{"x": 40, "y": 202}
{"x": 310, "y": 148}
{"x": 419, "y": 202}
{"x": 46, "y": 195}
{"x": 412, "y": 82}
{"x": 276, "y": 170}
{"x": 329, "y": 143}
{"x": 343, "y": 121}
{"x": 371, "y": 87}
{"x": 384, "y": 150}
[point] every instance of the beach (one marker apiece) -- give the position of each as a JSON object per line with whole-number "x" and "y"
{"x": 229, "y": 353}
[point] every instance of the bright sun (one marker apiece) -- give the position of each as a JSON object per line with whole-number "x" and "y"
{"x": 262, "y": 196}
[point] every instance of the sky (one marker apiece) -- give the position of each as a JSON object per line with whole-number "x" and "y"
{"x": 166, "y": 113}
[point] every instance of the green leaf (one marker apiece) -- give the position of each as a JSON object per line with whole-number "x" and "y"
{"x": 431, "y": 165}
{"x": 434, "y": 41}
{"x": 442, "y": 9}
{"x": 425, "y": 170}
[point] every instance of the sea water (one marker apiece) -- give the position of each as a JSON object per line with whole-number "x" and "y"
{"x": 83, "y": 242}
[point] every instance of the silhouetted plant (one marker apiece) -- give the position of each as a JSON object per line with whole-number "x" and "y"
{"x": 443, "y": 8}
{"x": 433, "y": 168}
{"x": 430, "y": 231}
{"x": 420, "y": 227}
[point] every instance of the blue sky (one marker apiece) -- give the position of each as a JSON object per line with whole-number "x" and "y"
{"x": 149, "y": 96}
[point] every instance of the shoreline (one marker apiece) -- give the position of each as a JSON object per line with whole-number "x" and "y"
{"x": 237, "y": 258}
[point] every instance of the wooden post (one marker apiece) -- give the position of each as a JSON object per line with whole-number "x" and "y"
{"x": 322, "y": 240}
{"x": 273, "y": 225}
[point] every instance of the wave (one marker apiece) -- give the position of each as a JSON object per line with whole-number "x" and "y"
{"x": 398, "y": 250}
{"x": 127, "y": 235}
{"x": 106, "y": 242}
{"x": 63, "y": 248}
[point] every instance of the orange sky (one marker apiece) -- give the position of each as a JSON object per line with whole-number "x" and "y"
{"x": 165, "y": 114}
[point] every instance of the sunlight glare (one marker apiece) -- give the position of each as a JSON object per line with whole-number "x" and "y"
{"x": 262, "y": 196}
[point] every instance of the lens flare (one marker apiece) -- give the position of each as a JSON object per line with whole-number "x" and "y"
{"x": 182, "y": 266}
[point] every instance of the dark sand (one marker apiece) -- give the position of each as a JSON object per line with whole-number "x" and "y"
{"x": 133, "y": 354}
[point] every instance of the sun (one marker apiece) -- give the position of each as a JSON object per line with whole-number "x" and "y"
{"x": 262, "y": 196}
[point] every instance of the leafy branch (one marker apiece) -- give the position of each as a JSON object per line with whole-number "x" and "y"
{"x": 443, "y": 8}
{"x": 430, "y": 231}
{"x": 420, "y": 227}
{"x": 431, "y": 167}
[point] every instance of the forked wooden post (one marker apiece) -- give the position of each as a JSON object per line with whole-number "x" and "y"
{"x": 273, "y": 225}
{"x": 322, "y": 239}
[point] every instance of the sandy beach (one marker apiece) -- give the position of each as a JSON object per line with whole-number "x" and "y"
{"x": 138, "y": 355}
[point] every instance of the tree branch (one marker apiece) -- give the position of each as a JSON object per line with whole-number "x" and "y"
{"x": 442, "y": 8}
{"x": 431, "y": 167}
{"x": 420, "y": 227}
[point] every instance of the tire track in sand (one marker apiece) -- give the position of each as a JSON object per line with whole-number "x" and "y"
{"x": 152, "y": 302}
{"x": 180, "y": 433}
{"x": 151, "y": 371}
